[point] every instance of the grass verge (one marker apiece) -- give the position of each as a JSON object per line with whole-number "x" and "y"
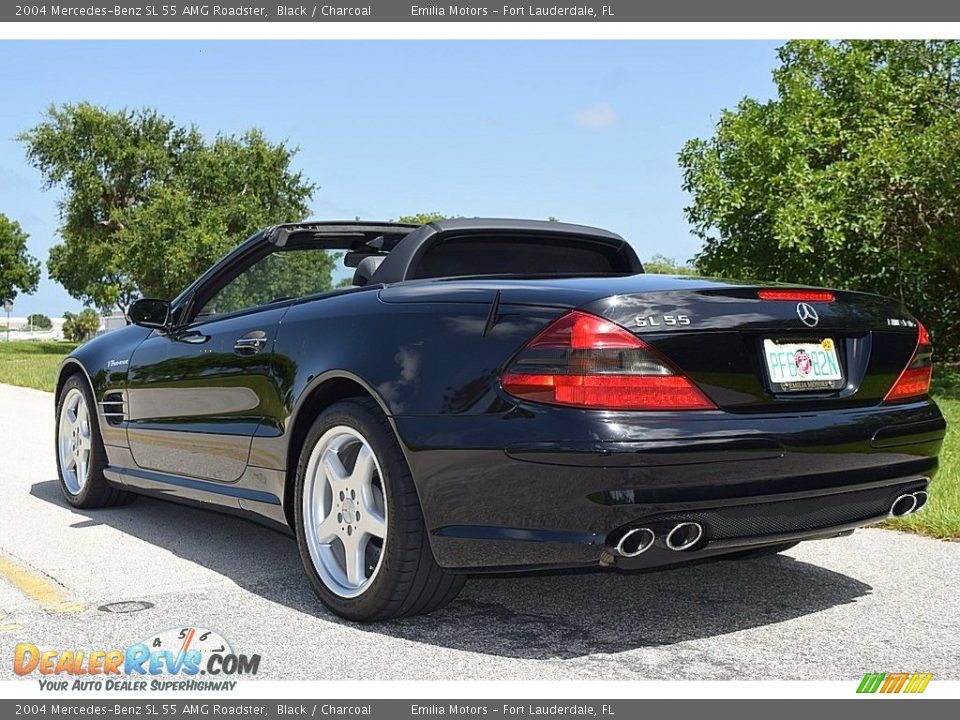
{"x": 941, "y": 517}
{"x": 32, "y": 364}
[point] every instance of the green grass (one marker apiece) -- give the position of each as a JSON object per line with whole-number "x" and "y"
{"x": 32, "y": 364}
{"x": 941, "y": 517}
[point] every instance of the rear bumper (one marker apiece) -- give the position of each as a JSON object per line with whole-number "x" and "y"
{"x": 501, "y": 493}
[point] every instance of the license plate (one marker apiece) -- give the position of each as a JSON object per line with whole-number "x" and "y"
{"x": 794, "y": 366}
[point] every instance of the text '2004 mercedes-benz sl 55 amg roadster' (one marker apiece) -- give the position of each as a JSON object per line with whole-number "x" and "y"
{"x": 500, "y": 395}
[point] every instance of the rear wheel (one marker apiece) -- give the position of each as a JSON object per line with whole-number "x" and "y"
{"x": 360, "y": 528}
{"x": 81, "y": 457}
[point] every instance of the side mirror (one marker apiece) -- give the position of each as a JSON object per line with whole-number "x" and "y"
{"x": 150, "y": 313}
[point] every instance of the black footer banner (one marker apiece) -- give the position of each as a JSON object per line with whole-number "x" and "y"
{"x": 786, "y": 709}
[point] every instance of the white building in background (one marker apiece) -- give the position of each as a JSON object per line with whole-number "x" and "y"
{"x": 113, "y": 321}
{"x": 19, "y": 331}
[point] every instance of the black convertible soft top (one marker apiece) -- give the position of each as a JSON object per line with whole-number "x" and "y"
{"x": 340, "y": 234}
{"x": 388, "y": 252}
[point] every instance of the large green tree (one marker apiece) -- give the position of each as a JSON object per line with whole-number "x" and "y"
{"x": 148, "y": 204}
{"x": 849, "y": 177}
{"x": 19, "y": 271}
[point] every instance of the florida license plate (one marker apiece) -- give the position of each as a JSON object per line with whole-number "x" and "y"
{"x": 794, "y": 366}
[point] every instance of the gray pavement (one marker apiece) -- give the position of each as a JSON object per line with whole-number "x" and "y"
{"x": 878, "y": 601}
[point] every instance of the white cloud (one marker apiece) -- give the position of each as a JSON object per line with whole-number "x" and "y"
{"x": 599, "y": 115}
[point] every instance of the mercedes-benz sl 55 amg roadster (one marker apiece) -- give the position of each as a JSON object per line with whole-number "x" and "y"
{"x": 500, "y": 395}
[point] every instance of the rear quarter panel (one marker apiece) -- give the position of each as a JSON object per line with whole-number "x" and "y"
{"x": 416, "y": 359}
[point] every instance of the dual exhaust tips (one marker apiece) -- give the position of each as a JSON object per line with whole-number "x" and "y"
{"x": 908, "y": 503}
{"x": 637, "y": 541}
{"x": 685, "y": 535}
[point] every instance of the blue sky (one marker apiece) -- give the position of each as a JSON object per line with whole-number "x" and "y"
{"x": 585, "y": 131}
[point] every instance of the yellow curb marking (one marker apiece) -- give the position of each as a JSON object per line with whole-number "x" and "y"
{"x": 8, "y": 628}
{"x": 38, "y": 587}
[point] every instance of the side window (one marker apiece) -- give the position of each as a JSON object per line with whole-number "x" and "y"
{"x": 283, "y": 275}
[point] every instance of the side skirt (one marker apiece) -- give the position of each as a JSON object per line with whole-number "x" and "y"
{"x": 257, "y": 505}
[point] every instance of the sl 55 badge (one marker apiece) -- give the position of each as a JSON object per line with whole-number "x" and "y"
{"x": 661, "y": 320}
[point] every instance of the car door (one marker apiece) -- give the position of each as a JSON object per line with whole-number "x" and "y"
{"x": 197, "y": 393}
{"x": 196, "y": 397}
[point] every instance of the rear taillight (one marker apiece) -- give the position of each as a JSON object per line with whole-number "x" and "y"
{"x": 796, "y": 295}
{"x": 914, "y": 381}
{"x": 586, "y": 361}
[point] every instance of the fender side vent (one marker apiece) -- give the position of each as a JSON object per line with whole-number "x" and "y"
{"x": 113, "y": 407}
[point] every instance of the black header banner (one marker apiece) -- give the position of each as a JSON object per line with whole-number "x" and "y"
{"x": 437, "y": 11}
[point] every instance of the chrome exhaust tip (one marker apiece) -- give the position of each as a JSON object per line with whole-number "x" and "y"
{"x": 635, "y": 542}
{"x": 922, "y": 497}
{"x": 684, "y": 536}
{"x": 903, "y": 505}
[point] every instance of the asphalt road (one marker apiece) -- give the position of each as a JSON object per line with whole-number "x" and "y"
{"x": 827, "y": 610}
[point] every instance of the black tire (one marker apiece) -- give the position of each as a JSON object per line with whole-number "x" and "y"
{"x": 759, "y": 552}
{"x": 97, "y": 491}
{"x": 409, "y": 581}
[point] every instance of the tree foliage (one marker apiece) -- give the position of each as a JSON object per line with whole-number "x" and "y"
{"x": 422, "y": 218}
{"x": 663, "y": 265}
{"x": 849, "y": 177}
{"x": 39, "y": 321}
{"x": 19, "y": 271}
{"x": 283, "y": 274}
{"x": 148, "y": 205}
{"x": 82, "y": 326}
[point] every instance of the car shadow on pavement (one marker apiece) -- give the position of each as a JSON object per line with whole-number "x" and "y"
{"x": 547, "y": 616}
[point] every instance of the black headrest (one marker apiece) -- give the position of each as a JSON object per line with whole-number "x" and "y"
{"x": 366, "y": 268}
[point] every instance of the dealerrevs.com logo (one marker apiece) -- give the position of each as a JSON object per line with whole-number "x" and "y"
{"x": 190, "y": 658}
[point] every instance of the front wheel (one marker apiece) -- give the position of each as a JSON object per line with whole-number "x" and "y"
{"x": 81, "y": 457}
{"x": 360, "y": 528}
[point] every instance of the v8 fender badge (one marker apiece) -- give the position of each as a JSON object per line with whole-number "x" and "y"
{"x": 808, "y": 316}
{"x": 661, "y": 320}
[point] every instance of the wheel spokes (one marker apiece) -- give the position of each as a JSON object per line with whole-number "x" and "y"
{"x": 354, "y": 558}
{"x": 83, "y": 459}
{"x": 329, "y": 529}
{"x": 75, "y": 440}
{"x": 371, "y": 520}
{"x": 345, "y": 511}
{"x": 363, "y": 468}
{"x": 333, "y": 469}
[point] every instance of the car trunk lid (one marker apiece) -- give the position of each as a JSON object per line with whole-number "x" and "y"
{"x": 751, "y": 353}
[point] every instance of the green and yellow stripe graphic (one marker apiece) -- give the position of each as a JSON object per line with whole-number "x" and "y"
{"x": 894, "y": 682}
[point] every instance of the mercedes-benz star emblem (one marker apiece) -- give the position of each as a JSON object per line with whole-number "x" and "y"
{"x": 808, "y": 316}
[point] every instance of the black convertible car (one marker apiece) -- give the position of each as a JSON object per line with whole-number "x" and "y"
{"x": 500, "y": 395}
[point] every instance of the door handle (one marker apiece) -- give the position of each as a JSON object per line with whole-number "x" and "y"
{"x": 193, "y": 337}
{"x": 251, "y": 343}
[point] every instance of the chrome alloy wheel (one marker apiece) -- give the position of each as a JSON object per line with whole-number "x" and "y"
{"x": 74, "y": 441}
{"x": 344, "y": 511}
